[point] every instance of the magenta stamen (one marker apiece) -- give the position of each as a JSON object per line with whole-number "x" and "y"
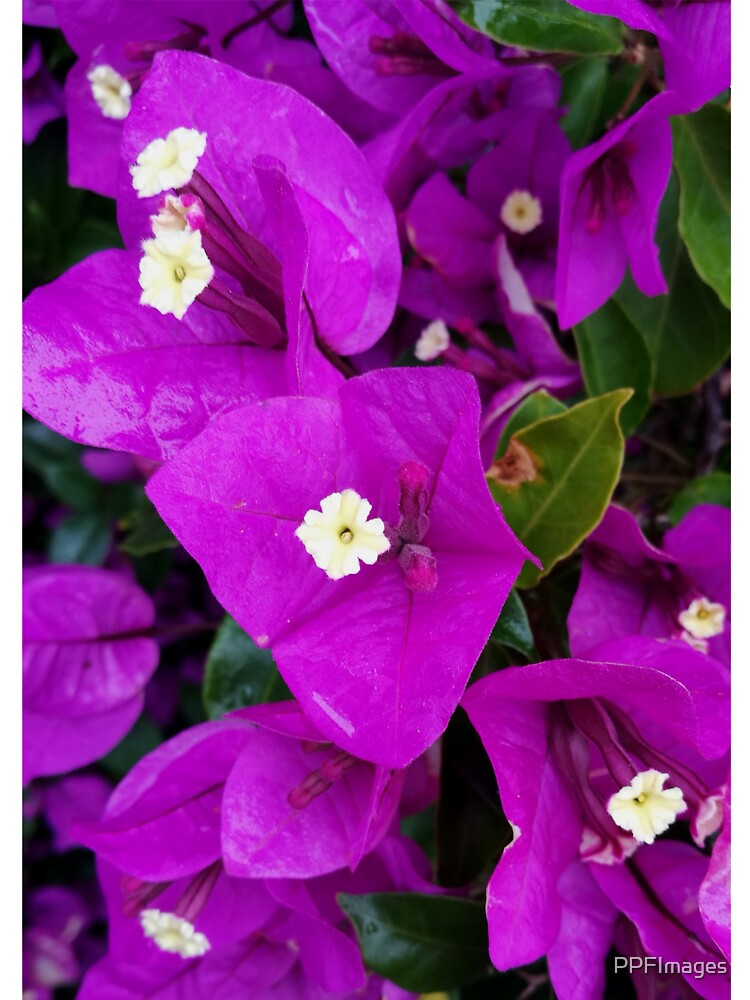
{"x": 137, "y": 894}
{"x": 195, "y": 896}
{"x": 590, "y": 718}
{"x": 188, "y": 41}
{"x": 255, "y": 322}
{"x": 405, "y": 55}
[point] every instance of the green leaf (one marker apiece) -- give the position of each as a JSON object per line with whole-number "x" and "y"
{"x": 512, "y": 627}
{"x": 239, "y": 673}
{"x": 534, "y": 407}
{"x": 544, "y": 26}
{"x": 148, "y": 533}
{"x": 144, "y": 737}
{"x": 701, "y": 159}
{"x": 577, "y": 457}
{"x": 422, "y": 943}
{"x": 613, "y": 355}
{"x": 584, "y": 85}
{"x": 81, "y": 538}
{"x": 715, "y": 487}
{"x": 57, "y": 461}
{"x": 687, "y": 330}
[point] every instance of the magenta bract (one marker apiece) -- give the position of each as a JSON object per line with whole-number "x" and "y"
{"x": 377, "y": 666}
{"x": 84, "y": 664}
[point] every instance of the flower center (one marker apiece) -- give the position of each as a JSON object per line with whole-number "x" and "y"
{"x": 174, "y": 270}
{"x": 433, "y": 340}
{"x": 521, "y": 212}
{"x": 175, "y": 931}
{"x": 173, "y": 934}
{"x": 111, "y": 92}
{"x": 703, "y": 619}
{"x": 645, "y": 807}
{"x": 339, "y": 536}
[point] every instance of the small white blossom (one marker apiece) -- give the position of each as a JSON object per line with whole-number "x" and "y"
{"x": 521, "y": 212}
{"x": 339, "y": 535}
{"x": 703, "y": 619}
{"x": 111, "y": 91}
{"x": 168, "y": 163}
{"x": 174, "y": 934}
{"x": 433, "y": 340}
{"x": 174, "y": 270}
{"x": 645, "y": 807}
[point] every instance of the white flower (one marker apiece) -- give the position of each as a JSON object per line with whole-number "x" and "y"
{"x": 703, "y": 619}
{"x": 645, "y": 807}
{"x": 433, "y": 340}
{"x": 111, "y": 91}
{"x": 174, "y": 271}
{"x": 521, "y": 212}
{"x": 174, "y": 934}
{"x": 168, "y": 163}
{"x": 339, "y": 535}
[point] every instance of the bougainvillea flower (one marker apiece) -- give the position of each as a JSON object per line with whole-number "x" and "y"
{"x": 504, "y": 377}
{"x": 56, "y": 945}
{"x": 263, "y": 790}
{"x": 630, "y": 587}
{"x": 86, "y": 660}
{"x": 133, "y": 379}
{"x": 363, "y": 654}
{"x": 609, "y": 204}
{"x": 693, "y": 39}
{"x": 116, "y": 44}
{"x": 658, "y": 890}
{"x": 393, "y": 53}
{"x": 647, "y": 908}
{"x": 566, "y": 739}
{"x": 42, "y": 95}
{"x": 455, "y": 122}
{"x": 272, "y": 939}
{"x": 512, "y": 190}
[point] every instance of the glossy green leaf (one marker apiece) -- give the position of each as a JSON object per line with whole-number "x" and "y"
{"x": 239, "y": 673}
{"x": 534, "y": 407}
{"x": 422, "y": 943}
{"x": 584, "y": 85}
{"x": 81, "y": 538}
{"x": 687, "y": 330}
{"x": 512, "y": 627}
{"x": 702, "y": 162}
{"x": 577, "y": 457}
{"x": 147, "y": 532}
{"x": 613, "y": 355}
{"x": 715, "y": 487}
{"x": 544, "y": 26}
